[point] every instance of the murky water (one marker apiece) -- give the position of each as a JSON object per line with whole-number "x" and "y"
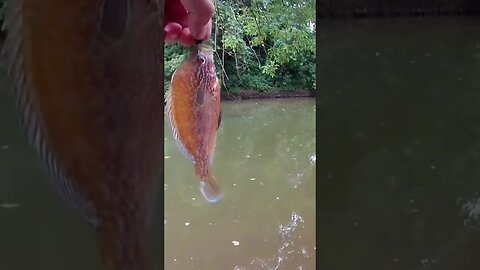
{"x": 265, "y": 161}
{"x": 400, "y": 144}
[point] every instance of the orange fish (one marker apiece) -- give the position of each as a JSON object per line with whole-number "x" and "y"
{"x": 88, "y": 76}
{"x": 193, "y": 106}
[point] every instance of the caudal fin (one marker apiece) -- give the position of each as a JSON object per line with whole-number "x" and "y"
{"x": 210, "y": 189}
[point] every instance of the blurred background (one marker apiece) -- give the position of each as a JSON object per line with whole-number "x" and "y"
{"x": 399, "y": 141}
{"x": 265, "y": 160}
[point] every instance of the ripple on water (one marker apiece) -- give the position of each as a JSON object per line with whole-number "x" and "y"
{"x": 286, "y": 249}
{"x": 470, "y": 210}
{"x": 313, "y": 159}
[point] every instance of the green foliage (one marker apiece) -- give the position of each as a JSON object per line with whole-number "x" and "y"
{"x": 176, "y": 54}
{"x": 260, "y": 45}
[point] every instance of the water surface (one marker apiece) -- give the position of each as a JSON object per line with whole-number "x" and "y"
{"x": 265, "y": 161}
{"x": 400, "y": 144}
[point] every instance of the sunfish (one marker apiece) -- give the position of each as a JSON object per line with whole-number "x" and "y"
{"x": 88, "y": 78}
{"x": 193, "y": 107}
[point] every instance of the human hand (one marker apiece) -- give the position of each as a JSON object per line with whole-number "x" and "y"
{"x": 187, "y": 21}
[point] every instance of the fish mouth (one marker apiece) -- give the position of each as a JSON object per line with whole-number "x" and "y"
{"x": 205, "y": 50}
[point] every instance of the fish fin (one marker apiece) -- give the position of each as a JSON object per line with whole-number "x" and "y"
{"x": 30, "y": 120}
{"x": 203, "y": 98}
{"x": 169, "y": 111}
{"x": 114, "y": 18}
{"x": 200, "y": 98}
{"x": 210, "y": 189}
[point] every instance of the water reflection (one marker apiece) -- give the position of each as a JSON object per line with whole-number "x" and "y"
{"x": 266, "y": 219}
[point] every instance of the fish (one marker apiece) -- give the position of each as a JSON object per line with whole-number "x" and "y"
{"x": 87, "y": 78}
{"x": 194, "y": 112}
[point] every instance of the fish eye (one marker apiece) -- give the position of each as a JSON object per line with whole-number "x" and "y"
{"x": 201, "y": 60}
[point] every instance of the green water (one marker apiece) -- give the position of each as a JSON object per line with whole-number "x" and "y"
{"x": 399, "y": 144}
{"x": 265, "y": 161}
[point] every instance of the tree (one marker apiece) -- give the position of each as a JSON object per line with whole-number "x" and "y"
{"x": 261, "y": 45}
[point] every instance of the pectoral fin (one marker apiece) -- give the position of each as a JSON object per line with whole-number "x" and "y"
{"x": 203, "y": 97}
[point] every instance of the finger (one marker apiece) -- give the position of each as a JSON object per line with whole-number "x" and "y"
{"x": 202, "y": 10}
{"x": 208, "y": 30}
{"x": 171, "y": 32}
{"x": 199, "y": 15}
{"x": 185, "y": 38}
{"x": 173, "y": 29}
{"x": 173, "y": 10}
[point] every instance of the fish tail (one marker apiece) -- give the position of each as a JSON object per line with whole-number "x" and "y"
{"x": 209, "y": 186}
{"x": 210, "y": 189}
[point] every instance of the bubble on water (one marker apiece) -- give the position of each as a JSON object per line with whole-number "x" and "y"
{"x": 470, "y": 209}
{"x": 429, "y": 263}
{"x": 313, "y": 159}
{"x": 252, "y": 178}
{"x": 304, "y": 251}
{"x": 235, "y": 243}
{"x": 287, "y": 248}
{"x": 247, "y": 156}
{"x": 167, "y": 157}
{"x": 187, "y": 223}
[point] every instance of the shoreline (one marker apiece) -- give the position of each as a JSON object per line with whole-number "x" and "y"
{"x": 252, "y": 94}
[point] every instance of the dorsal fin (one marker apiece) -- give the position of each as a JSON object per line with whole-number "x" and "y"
{"x": 169, "y": 109}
